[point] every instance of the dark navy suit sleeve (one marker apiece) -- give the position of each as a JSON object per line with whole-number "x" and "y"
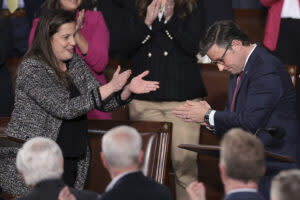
{"x": 262, "y": 96}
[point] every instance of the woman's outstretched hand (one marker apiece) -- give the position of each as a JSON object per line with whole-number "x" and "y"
{"x": 139, "y": 86}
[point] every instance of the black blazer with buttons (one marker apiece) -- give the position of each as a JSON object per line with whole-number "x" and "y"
{"x": 168, "y": 50}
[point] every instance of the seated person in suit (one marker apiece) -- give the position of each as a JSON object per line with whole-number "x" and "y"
{"x": 241, "y": 165}
{"x": 40, "y": 162}
{"x": 121, "y": 156}
{"x": 260, "y": 95}
{"x": 286, "y": 185}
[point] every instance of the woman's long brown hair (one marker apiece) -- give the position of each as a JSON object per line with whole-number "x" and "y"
{"x": 41, "y": 47}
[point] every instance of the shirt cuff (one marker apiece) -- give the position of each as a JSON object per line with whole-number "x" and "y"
{"x": 212, "y": 118}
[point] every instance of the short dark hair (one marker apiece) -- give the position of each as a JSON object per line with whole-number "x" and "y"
{"x": 242, "y": 155}
{"x": 222, "y": 33}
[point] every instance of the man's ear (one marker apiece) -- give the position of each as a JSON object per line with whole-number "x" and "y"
{"x": 103, "y": 159}
{"x": 223, "y": 174}
{"x": 62, "y": 163}
{"x": 22, "y": 176}
{"x": 236, "y": 45}
{"x": 263, "y": 170}
{"x": 141, "y": 158}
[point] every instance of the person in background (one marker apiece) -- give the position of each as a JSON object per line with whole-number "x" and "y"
{"x": 40, "y": 162}
{"x": 91, "y": 37}
{"x": 162, "y": 36}
{"x": 282, "y": 34}
{"x": 54, "y": 91}
{"x": 286, "y": 185}
{"x": 18, "y": 27}
{"x": 213, "y": 13}
{"x": 241, "y": 165}
{"x": 122, "y": 156}
{"x": 261, "y": 96}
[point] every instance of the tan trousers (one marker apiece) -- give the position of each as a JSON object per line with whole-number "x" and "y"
{"x": 184, "y": 161}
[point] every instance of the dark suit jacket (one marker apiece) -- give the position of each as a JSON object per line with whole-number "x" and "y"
{"x": 244, "y": 196}
{"x": 136, "y": 186}
{"x": 49, "y": 190}
{"x": 265, "y": 98}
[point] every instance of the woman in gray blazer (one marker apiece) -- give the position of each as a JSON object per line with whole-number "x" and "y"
{"x": 54, "y": 91}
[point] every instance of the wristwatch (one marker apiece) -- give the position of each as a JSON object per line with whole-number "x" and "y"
{"x": 206, "y": 116}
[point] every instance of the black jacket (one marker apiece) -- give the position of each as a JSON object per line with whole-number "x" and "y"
{"x": 168, "y": 50}
{"x": 136, "y": 186}
{"x": 49, "y": 190}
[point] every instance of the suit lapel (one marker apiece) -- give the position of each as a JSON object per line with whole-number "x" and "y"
{"x": 245, "y": 76}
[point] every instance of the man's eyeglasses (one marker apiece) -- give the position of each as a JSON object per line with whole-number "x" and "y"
{"x": 221, "y": 60}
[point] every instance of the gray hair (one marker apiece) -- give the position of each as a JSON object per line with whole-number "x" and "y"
{"x": 242, "y": 155}
{"x": 39, "y": 159}
{"x": 121, "y": 146}
{"x": 286, "y": 185}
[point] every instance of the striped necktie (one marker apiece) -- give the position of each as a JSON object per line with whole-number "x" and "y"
{"x": 235, "y": 91}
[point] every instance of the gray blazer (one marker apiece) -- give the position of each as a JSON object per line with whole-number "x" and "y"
{"x": 41, "y": 103}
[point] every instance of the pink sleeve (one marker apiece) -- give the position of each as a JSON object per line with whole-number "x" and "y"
{"x": 98, "y": 43}
{"x": 32, "y": 31}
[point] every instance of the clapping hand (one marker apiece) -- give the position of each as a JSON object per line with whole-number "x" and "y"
{"x": 139, "y": 86}
{"x": 196, "y": 191}
{"x": 192, "y": 111}
{"x": 65, "y": 194}
{"x": 119, "y": 79}
{"x": 169, "y": 9}
{"x": 79, "y": 21}
{"x": 152, "y": 11}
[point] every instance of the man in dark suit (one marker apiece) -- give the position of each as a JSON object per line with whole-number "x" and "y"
{"x": 40, "y": 163}
{"x": 121, "y": 156}
{"x": 241, "y": 165}
{"x": 260, "y": 95}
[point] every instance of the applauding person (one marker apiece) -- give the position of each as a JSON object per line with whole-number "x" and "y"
{"x": 91, "y": 37}
{"x": 54, "y": 92}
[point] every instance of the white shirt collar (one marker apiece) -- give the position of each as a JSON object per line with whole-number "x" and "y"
{"x": 116, "y": 178}
{"x": 254, "y": 46}
{"x": 241, "y": 190}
